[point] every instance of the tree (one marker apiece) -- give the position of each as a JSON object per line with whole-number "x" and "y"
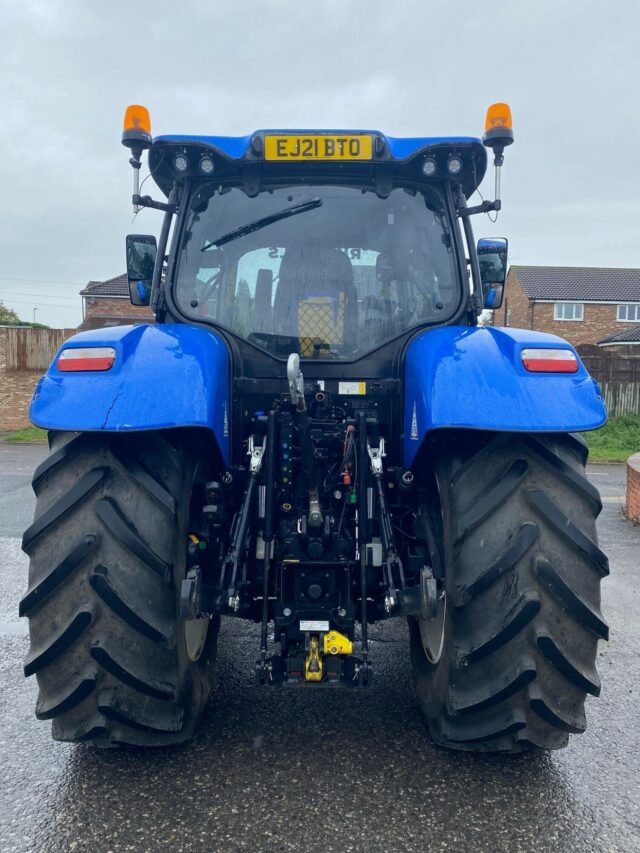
{"x": 10, "y": 318}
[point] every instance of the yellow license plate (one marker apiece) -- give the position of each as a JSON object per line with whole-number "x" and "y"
{"x": 318, "y": 147}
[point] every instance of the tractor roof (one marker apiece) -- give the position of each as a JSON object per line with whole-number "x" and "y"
{"x": 397, "y": 156}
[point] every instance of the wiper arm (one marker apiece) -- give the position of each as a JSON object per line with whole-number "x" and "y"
{"x": 257, "y": 224}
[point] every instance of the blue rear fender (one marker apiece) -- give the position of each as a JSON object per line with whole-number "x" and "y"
{"x": 164, "y": 376}
{"x": 473, "y": 378}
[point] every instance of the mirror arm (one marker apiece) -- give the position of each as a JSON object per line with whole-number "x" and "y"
{"x": 147, "y": 201}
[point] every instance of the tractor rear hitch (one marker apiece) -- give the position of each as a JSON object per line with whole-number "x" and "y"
{"x": 240, "y": 530}
{"x": 197, "y": 598}
{"x": 346, "y": 671}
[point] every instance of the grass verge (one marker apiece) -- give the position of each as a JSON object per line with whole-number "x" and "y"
{"x": 28, "y": 435}
{"x": 618, "y": 439}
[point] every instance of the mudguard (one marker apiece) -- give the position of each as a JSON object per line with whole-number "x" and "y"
{"x": 473, "y": 378}
{"x": 163, "y": 376}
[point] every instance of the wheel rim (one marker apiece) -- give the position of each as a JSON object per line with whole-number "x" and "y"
{"x": 432, "y": 631}
{"x": 195, "y": 637}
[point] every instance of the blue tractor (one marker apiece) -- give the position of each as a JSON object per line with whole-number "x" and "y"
{"x": 315, "y": 435}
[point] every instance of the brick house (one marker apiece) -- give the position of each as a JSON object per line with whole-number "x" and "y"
{"x": 107, "y": 303}
{"x": 581, "y": 304}
{"x": 626, "y": 342}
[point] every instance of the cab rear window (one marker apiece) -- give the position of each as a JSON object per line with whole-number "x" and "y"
{"x": 328, "y": 272}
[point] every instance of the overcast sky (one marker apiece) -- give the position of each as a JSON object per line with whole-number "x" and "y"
{"x": 570, "y": 71}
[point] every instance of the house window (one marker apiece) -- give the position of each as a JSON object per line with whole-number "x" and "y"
{"x": 629, "y": 313}
{"x": 568, "y": 311}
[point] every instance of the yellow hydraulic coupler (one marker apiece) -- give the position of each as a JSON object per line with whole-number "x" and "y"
{"x": 313, "y": 662}
{"x": 337, "y": 644}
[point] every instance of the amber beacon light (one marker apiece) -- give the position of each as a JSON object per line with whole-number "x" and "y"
{"x": 498, "y": 126}
{"x": 136, "y": 130}
{"x": 136, "y": 136}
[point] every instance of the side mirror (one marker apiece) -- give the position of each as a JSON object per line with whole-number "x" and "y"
{"x": 492, "y": 260}
{"x": 141, "y": 260}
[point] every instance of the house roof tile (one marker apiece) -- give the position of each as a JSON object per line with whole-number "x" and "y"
{"x": 626, "y": 336}
{"x": 118, "y": 286}
{"x": 588, "y": 284}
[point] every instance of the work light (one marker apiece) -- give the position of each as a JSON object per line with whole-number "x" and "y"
{"x": 180, "y": 163}
{"x": 206, "y": 165}
{"x": 429, "y": 167}
{"x": 454, "y": 165}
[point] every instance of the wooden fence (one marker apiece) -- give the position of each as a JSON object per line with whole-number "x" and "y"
{"x": 622, "y": 398}
{"x": 25, "y": 354}
{"x": 618, "y": 375}
{"x": 32, "y": 349}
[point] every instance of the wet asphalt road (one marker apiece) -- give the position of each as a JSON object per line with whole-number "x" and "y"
{"x": 292, "y": 770}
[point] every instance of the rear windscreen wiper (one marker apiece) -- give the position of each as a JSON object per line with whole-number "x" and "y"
{"x": 263, "y": 222}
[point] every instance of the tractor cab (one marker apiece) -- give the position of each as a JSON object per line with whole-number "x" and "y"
{"x": 330, "y": 245}
{"x": 329, "y": 271}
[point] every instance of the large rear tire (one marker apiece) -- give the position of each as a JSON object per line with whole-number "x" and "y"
{"x": 114, "y": 662}
{"x": 521, "y": 598}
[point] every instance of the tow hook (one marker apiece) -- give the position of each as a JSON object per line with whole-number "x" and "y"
{"x": 313, "y": 662}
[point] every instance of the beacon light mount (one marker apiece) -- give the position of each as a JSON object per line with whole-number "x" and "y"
{"x": 498, "y": 133}
{"x": 136, "y": 136}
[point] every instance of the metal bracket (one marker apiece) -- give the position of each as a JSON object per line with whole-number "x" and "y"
{"x": 428, "y": 594}
{"x": 191, "y": 594}
{"x": 384, "y": 180}
{"x": 198, "y": 599}
{"x": 251, "y": 179}
{"x": 485, "y": 207}
{"x": 147, "y": 201}
{"x": 376, "y": 455}
{"x": 256, "y": 452}
{"x": 422, "y": 599}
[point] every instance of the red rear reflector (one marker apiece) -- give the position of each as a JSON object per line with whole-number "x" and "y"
{"x": 86, "y": 358}
{"x": 549, "y": 360}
